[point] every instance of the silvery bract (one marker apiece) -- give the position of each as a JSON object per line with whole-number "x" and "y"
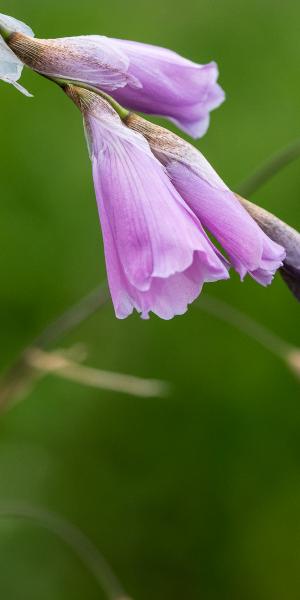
{"x": 10, "y": 65}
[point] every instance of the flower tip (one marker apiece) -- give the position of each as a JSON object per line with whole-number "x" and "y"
{"x": 21, "y": 89}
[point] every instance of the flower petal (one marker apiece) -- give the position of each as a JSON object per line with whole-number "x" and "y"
{"x": 140, "y": 76}
{"x": 166, "y": 297}
{"x": 154, "y": 231}
{"x": 249, "y": 248}
{"x": 216, "y": 207}
{"x": 173, "y": 86}
{"x": 155, "y": 247}
{"x": 94, "y": 60}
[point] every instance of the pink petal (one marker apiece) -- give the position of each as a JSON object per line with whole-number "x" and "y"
{"x": 157, "y": 255}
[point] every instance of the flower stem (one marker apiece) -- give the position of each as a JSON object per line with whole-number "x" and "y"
{"x": 271, "y": 167}
{"x": 120, "y": 110}
{"x": 73, "y": 537}
{"x": 245, "y": 324}
{"x": 75, "y": 315}
{"x": 21, "y": 376}
{"x": 227, "y": 313}
{"x": 5, "y": 33}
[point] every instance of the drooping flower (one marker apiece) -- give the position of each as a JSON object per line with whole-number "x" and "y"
{"x": 142, "y": 77}
{"x": 250, "y": 250}
{"x": 11, "y": 66}
{"x": 157, "y": 254}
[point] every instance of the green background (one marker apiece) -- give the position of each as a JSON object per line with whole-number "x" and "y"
{"x": 192, "y": 496}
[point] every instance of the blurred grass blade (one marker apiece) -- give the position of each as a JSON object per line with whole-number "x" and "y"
{"x": 73, "y": 537}
{"x": 60, "y": 365}
{"x": 270, "y": 168}
{"x": 74, "y": 316}
{"x": 258, "y": 332}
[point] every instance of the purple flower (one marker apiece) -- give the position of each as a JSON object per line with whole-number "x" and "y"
{"x": 250, "y": 250}
{"x": 172, "y": 86}
{"x": 142, "y": 77}
{"x": 157, "y": 254}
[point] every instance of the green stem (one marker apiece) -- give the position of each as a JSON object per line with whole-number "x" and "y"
{"x": 73, "y": 537}
{"x": 270, "y": 168}
{"x": 21, "y": 377}
{"x": 5, "y": 32}
{"x": 245, "y": 324}
{"x": 74, "y": 316}
{"x": 120, "y": 110}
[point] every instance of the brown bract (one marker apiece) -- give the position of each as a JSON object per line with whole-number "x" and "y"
{"x": 33, "y": 52}
{"x": 85, "y": 100}
{"x": 162, "y": 140}
{"x": 50, "y": 56}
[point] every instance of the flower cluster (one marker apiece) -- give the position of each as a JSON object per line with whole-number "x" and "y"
{"x": 158, "y": 197}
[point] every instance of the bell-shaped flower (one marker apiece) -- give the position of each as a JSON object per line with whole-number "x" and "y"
{"x": 250, "y": 250}
{"x": 11, "y": 66}
{"x": 157, "y": 254}
{"x": 142, "y": 77}
{"x": 172, "y": 86}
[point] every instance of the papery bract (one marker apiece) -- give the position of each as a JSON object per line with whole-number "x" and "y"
{"x": 94, "y": 60}
{"x": 10, "y": 65}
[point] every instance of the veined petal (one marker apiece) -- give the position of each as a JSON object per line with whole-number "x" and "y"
{"x": 166, "y": 297}
{"x": 248, "y": 247}
{"x": 217, "y": 208}
{"x": 173, "y": 86}
{"x": 155, "y": 233}
{"x": 158, "y": 256}
{"x": 94, "y": 60}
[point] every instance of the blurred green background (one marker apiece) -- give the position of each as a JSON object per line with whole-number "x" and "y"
{"x": 192, "y": 496}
